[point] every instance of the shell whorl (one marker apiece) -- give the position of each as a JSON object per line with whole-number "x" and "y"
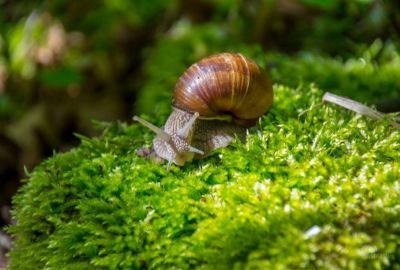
{"x": 224, "y": 84}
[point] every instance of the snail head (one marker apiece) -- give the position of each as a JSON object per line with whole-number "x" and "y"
{"x": 173, "y": 147}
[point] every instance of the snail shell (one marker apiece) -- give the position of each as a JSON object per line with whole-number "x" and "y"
{"x": 214, "y": 100}
{"x": 225, "y": 84}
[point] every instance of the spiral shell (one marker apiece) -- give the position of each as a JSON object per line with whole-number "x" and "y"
{"x": 225, "y": 84}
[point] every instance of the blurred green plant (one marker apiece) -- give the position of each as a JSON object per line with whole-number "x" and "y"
{"x": 351, "y": 77}
{"x": 97, "y": 45}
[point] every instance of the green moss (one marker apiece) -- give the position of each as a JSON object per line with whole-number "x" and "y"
{"x": 367, "y": 78}
{"x": 248, "y": 206}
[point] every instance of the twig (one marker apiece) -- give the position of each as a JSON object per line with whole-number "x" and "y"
{"x": 357, "y": 107}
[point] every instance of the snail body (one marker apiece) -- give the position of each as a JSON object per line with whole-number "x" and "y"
{"x": 214, "y": 99}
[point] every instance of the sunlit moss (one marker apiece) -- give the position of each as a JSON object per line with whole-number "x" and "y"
{"x": 250, "y": 205}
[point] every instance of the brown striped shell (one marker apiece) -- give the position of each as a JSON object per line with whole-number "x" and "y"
{"x": 225, "y": 84}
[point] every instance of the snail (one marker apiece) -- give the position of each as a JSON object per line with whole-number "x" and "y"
{"x": 214, "y": 100}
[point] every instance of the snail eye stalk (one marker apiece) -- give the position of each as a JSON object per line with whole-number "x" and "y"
{"x": 184, "y": 131}
{"x": 165, "y": 136}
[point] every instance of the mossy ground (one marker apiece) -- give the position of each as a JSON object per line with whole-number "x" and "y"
{"x": 248, "y": 206}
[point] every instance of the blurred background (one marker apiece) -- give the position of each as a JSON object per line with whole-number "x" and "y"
{"x": 70, "y": 67}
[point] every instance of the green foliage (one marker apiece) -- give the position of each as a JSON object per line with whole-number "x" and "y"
{"x": 60, "y": 77}
{"x": 351, "y": 77}
{"x": 316, "y": 190}
{"x": 53, "y": 46}
{"x": 103, "y": 42}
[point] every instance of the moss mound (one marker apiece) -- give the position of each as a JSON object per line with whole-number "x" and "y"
{"x": 247, "y": 206}
{"x": 316, "y": 190}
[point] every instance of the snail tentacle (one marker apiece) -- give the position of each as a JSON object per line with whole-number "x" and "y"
{"x": 184, "y": 131}
{"x": 170, "y": 159}
{"x": 161, "y": 133}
